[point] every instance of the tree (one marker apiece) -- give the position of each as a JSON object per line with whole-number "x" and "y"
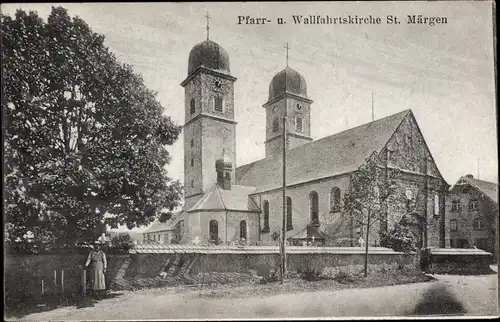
{"x": 85, "y": 140}
{"x": 369, "y": 191}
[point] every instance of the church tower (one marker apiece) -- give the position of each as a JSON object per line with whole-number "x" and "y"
{"x": 287, "y": 92}
{"x": 209, "y": 129}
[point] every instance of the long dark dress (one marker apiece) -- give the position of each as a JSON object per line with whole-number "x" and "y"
{"x": 98, "y": 264}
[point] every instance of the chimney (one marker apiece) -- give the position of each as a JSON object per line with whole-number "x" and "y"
{"x": 224, "y": 168}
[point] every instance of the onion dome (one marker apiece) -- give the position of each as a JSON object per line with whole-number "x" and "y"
{"x": 208, "y": 54}
{"x": 287, "y": 81}
{"x": 224, "y": 162}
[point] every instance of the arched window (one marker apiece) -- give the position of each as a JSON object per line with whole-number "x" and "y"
{"x": 335, "y": 199}
{"x": 436, "y": 204}
{"x": 289, "y": 223}
{"x": 298, "y": 124}
{"x": 214, "y": 231}
{"x": 266, "y": 215}
{"x": 314, "y": 207}
{"x": 243, "y": 229}
{"x": 276, "y": 126}
{"x": 192, "y": 106}
{"x": 227, "y": 175}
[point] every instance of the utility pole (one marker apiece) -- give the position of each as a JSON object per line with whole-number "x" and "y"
{"x": 283, "y": 234}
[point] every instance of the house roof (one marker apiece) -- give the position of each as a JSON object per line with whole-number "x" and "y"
{"x": 333, "y": 155}
{"x": 162, "y": 226}
{"x": 234, "y": 199}
{"x": 490, "y": 189}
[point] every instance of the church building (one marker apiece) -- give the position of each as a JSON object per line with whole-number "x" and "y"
{"x": 226, "y": 202}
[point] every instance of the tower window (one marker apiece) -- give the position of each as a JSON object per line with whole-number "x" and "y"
{"x": 298, "y": 124}
{"x": 192, "y": 162}
{"x": 192, "y": 183}
{"x": 192, "y": 143}
{"x": 276, "y": 126}
{"x": 192, "y": 107}
{"x": 218, "y": 104}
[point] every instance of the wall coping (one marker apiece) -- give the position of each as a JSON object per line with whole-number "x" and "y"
{"x": 192, "y": 249}
{"x": 459, "y": 252}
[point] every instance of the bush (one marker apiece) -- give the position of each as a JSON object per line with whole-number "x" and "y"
{"x": 121, "y": 242}
{"x": 400, "y": 239}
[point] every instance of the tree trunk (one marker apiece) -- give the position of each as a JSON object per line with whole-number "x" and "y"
{"x": 366, "y": 245}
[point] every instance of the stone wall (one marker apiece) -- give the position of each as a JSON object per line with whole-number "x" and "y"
{"x": 24, "y": 273}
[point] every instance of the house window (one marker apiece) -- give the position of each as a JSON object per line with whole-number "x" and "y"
{"x": 478, "y": 224}
{"x": 266, "y": 215}
{"x": 453, "y": 225}
{"x": 218, "y": 104}
{"x": 335, "y": 199}
{"x": 213, "y": 230}
{"x": 243, "y": 230}
{"x": 473, "y": 204}
{"x": 455, "y": 205}
{"x": 298, "y": 124}
{"x": 192, "y": 106}
{"x": 314, "y": 207}
{"x": 289, "y": 223}
{"x": 276, "y": 126}
{"x": 436, "y": 204}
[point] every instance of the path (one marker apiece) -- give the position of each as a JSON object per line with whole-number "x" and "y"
{"x": 471, "y": 295}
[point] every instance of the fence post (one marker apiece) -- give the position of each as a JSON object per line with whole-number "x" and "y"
{"x": 84, "y": 282}
{"x": 62, "y": 281}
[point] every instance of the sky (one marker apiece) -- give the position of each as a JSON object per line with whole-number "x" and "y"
{"x": 443, "y": 73}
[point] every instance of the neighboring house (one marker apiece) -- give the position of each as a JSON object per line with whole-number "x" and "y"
{"x": 472, "y": 212}
{"x": 227, "y": 203}
{"x": 169, "y": 232}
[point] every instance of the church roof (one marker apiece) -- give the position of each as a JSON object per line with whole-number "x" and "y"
{"x": 235, "y": 199}
{"x": 208, "y": 54}
{"x": 287, "y": 81}
{"x": 490, "y": 189}
{"x": 333, "y": 155}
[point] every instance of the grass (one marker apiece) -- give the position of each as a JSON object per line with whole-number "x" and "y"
{"x": 331, "y": 279}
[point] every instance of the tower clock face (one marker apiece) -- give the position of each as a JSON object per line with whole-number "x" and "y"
{"x": 218, "y": 84}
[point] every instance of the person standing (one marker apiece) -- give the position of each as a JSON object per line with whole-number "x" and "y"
{"x": 98, "y": 265}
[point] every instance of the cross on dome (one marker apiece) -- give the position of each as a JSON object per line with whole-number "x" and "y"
{"x": 208, "y": 24}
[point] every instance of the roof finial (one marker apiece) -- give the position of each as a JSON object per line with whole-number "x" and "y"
{"x": 287, "y": 53}
{"x": 208, "y": 24}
